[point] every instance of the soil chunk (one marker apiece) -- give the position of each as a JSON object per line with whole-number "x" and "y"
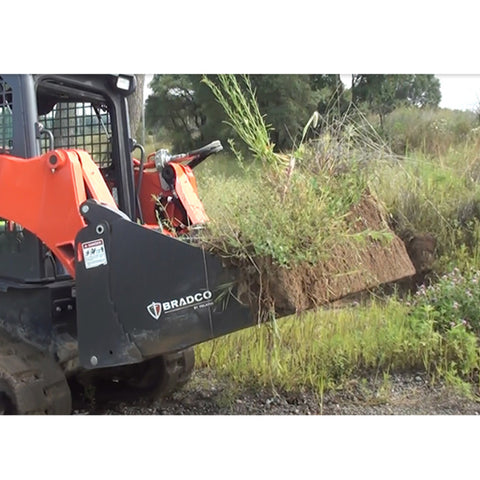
{"x": 369, "y": 255}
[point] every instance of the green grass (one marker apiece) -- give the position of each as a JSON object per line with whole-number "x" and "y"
{"x": 438, "y": 195}
{"x": 324, "y": 350}
{"x": 251, "y": 217}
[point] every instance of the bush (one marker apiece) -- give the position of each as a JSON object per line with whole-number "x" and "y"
{"x": 440, "y": 196}
{"x": 452, "y": 303}
{"x": 288, "y": 207}
{"x": 452, "y": 307}
{"x": 430, "y": 131}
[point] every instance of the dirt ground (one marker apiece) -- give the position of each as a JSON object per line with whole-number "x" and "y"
{"x": 400, "y": 394}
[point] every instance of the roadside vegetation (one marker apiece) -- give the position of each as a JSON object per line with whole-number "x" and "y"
{"x": 286, "y": 206}
{"x": 326, "y": 349}
{"x": 423, "y": 165}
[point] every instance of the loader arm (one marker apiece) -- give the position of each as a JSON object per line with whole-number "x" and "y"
{"x": 44, "y": 194}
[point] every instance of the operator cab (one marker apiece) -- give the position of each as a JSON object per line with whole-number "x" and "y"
{"x": 40, "y": 113}
{"x": 90, "y": 116}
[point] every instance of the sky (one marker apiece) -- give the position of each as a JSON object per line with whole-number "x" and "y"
{"x": 459, "y": 92}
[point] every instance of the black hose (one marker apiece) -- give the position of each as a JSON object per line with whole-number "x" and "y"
{"x": 140, "y": 179}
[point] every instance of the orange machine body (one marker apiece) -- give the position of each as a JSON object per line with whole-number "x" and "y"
{"x": 179, "y": 207}
{"x": 43, "y": 194}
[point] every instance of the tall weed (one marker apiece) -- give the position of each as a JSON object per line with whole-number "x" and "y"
{"x": 432, "y": 132}
{"x": 440, "y": 196}
{"x": 240, "y": 105}
{"x": 288, "y": 207}
{"x": 323, "y": 350}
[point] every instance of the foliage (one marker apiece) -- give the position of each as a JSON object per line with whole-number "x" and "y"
{"x": 288, "y": 102}
{"x": 452, "y": 302}
{"x": 452, "y": 306}
{"x": 323, "y": 350}
{"x": 432, "y": 132}
{"x": 173, "y": 106}
{"x": 333, "y": 98}
{"x": 185, "y": 112}
{"x": 383, "y": 93}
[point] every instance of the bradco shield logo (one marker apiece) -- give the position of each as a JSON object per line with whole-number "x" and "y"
{"x": 155, "y": 310}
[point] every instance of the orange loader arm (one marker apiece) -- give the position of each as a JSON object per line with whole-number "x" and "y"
{"x": 43, "y": 194}
{"x": 191, "y": 210}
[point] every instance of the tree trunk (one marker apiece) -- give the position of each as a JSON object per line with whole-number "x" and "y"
{"x": 135, "y": 106}
{"x": 64, "y": 125}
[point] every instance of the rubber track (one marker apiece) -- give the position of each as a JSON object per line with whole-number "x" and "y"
{"x": 35, "y": 381}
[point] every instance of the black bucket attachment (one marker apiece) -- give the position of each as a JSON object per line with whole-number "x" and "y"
{"x": 140, "y": 293}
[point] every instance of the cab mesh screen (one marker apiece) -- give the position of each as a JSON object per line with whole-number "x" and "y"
{"x": 82, "y": 126}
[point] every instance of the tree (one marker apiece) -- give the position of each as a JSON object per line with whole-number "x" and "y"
{"x": 422, "y": 90}
{"x": 288, "y": 101}
{"x": 333, "y": 98}
{"x": 188, "y": 112}
{"x": 174, "y": 107}
{"x": 135, "y": 105}
{"x": 383, "y": 93}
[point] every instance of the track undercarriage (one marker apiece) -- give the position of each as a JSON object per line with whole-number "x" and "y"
{"x": 33, "y": 382}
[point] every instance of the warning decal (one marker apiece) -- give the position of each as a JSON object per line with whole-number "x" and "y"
{"x": 94, "y": 253}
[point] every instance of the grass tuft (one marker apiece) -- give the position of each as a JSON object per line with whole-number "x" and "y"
{"x": 322, "y": 351}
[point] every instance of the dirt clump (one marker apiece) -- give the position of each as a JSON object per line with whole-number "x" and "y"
{"x": 421, "y": 248}
{"x": 368, "y": 255}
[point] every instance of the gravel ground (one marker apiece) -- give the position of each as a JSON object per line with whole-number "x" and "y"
{"x": 400, "y": 394}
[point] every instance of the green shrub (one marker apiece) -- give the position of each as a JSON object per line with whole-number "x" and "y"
{"x": 430, "y": 131}
{"x": 326, "y": 349}
{"x": 452, "y": 302}
{"x": 438, "y": 195}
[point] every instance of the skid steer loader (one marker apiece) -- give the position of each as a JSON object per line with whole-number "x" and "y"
{"x": 100, "y": 276}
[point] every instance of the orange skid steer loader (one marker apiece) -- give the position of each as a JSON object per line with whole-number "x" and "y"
{"x": 100, "y": 277}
